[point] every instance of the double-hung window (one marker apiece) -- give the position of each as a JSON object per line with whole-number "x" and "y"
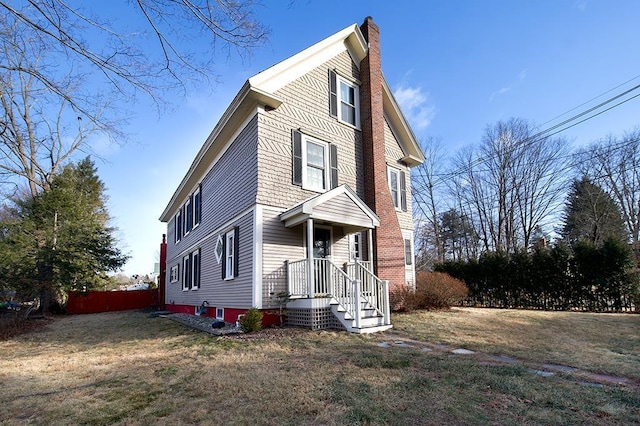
{"x": 191, "y": 271}
{"x": 344, "y": 99}
{"x": 230, "y": 248}
{"x": 189, "y": 215}
{"x": 315, "y": 163}
{"x": 186, "y": 273}
{"x": 173, "y": 274}
{"x": 398, "y": 188}
{"x": 178, "y": 226}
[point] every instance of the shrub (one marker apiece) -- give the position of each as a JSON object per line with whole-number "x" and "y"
{"x": 437, "y": 290}
{"x": 251, "y": 320}
{"x": 402, "y": 299}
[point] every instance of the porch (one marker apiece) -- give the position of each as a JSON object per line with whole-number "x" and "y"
{"x": 353, "y": 295}
{"x": 328, "y": 286}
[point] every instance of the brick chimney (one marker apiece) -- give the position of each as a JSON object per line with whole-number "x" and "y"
{"x": 388, "y": 243}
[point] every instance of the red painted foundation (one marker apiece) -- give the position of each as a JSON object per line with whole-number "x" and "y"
{"x": 269, "y": 318}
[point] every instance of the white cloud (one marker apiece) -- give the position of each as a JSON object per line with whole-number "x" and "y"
{"x": 415, "y": 105}
{"x": 499, "y": 92}
{"x": 581, "y": 5}
{"x": 522, "y": 75}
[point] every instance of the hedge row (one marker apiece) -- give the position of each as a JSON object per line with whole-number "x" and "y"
{"x": 584, "y": 277}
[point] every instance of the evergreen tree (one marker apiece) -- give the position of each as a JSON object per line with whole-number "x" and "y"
{"x": 60, "y": 240}
{"x": 591, "y": 215}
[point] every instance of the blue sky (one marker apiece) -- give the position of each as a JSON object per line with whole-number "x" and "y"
{"x": 455, "y": 67}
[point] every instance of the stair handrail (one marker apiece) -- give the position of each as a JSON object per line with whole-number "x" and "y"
{"x": 373, "y": 289}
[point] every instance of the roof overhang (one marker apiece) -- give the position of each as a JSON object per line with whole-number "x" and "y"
{"x": 282, "y": 73}
{"x": 410, "y": 146}
{"x": 243, "y": 106}
{"x": 311, "y": 208}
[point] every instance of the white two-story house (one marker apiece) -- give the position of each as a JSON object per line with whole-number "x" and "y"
{"x": 302, "y": 187}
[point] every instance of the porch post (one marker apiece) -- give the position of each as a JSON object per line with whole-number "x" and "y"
{"x": 310, "y": 275}
{"x": 370, "y": 245}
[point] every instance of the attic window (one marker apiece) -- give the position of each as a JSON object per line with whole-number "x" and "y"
{"x": 344, "y": 99}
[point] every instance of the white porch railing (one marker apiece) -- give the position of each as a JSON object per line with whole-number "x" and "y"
{"x": 351, "y": 287}
{"x": 374, "y": 291}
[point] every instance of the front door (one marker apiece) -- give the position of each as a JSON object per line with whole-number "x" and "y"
{"x": 321, "y": 251}
{"x": 321, "y": 243}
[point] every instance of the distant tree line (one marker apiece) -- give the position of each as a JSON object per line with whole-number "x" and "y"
{"x": 525, "y": 222}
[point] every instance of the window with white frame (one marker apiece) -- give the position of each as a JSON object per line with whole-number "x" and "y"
{"x": 355, "y": 247}
{"x": 197, "y": 206}
{"x": 398, "y": 188}
{"x": 195, "y": 270}
{"x": 315, "y": 163}
{"x": 230, "y": 253}
{"x": 220, "y": 313}
{"x": 186, "y": 273}
{"x": 173, "y": 274}
{"x": 191, "y": 271}
{"x": 344, "y": 99}
{"x": 188, "y": 216}
{"x": 177, "y": 224}
{"x": 408, "y": 253}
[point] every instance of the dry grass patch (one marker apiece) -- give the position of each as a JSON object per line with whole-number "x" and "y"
{"x": 128, "y": 368}
{"x": 604, "y": 343}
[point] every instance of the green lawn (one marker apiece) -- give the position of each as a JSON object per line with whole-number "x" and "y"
{"x": 128, "y": 368}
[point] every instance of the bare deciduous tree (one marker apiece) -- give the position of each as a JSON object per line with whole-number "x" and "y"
{"x": 510, "y": 184}
{"x": 614, "y": 164}
{"x": 426, "y": 191}
{"x": 67, "y": 72}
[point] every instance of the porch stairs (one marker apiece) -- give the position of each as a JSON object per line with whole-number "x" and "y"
{"x": 370, "y": 320}
{"x": 357, "y": 298}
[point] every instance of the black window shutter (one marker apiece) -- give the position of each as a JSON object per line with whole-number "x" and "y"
{"x": 403, "y": 191}
{"x": 296, "y": 138}
{"x": 333, "y": 157}
{"x": 224, "y": 255}
{"x": 236, "y": 250}
{"x": 333, "y": 94}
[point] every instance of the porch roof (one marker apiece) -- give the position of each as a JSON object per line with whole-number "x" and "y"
{"x": 340, "y": 206}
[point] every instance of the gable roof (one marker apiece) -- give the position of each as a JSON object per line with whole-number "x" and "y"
{"x": 259, "y": 91}
{"x": 353, "y": 212}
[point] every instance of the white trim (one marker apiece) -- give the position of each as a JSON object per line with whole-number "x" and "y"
{"x": 407, "y": 234}
{"x": 396, "y": 171}
{"x": 305, "y": 140}
{"x": 230, "y": 248}
{"x": 356, "y": 106}
{"x": 258, "y": 245}
{"x": 284, "y": 72}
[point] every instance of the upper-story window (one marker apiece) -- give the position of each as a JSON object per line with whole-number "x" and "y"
{"x": 398, "y": 188}
{"x": 344, "y": 99}
{"x": 189, "y": 215}
{"x": 315, "y": 163}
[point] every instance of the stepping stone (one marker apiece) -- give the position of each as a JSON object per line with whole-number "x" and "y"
{"x": 542, "y": 373}
{"x": 505, "y": 359}
{"x": 463, "y": 352}
{"x": 608, "y": 379}
{"x": 383, "y": 345}
{"x": 425, "y": 350}
{"x": 402, "y": 344}
{"x": 559, "y": 367}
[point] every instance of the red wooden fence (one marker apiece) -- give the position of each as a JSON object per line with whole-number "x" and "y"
{"x": 108, "y": 301}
